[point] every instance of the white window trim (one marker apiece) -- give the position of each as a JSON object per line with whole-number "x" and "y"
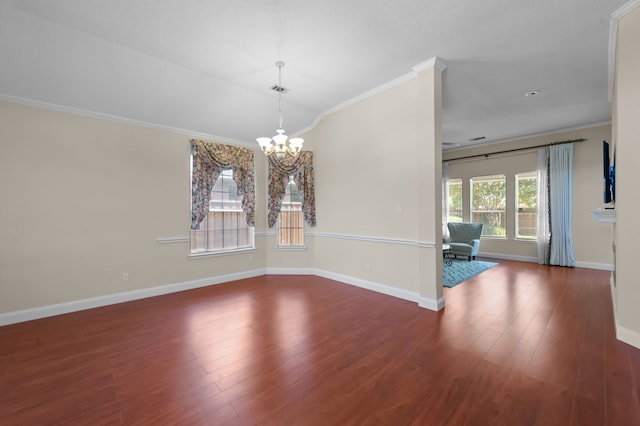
{"x": 223, "y": 251}
{"x": 448, "y": 215}
{"x": 516, "y": 207}
{"x": 198, "y": 255}
{"x": 290, "y": 248}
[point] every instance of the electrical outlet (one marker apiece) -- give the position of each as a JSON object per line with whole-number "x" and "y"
{"x": 125, "y": 276}
{"x": 367, "y": 267}
{"x": 399, "y": 210}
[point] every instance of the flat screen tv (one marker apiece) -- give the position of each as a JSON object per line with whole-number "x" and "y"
{"x": 608, "y": 175}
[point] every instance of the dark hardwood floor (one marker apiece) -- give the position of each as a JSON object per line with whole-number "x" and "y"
{"x": 520, "y": 344}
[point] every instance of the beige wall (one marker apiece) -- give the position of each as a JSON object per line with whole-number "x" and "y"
{"x": 290, "y": 260}
{"x": 377, "y": 174}
{"x": 84, "y": 200}
{"x": 592, "y": 240}
{"x": 626, "y": 292}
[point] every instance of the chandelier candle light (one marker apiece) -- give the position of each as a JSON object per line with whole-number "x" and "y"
{"x": 280, "y": 144}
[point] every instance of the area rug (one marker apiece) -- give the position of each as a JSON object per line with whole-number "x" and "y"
{"x": 461, "y": 270}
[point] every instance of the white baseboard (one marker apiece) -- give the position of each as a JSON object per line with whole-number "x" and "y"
{"x": 623, "y": 334}
{"x": 592, "y": 265}
{"x": 587, "y": 265}
{"x": 431, "y": 304}
{"x": 111, "y": 299}
{"x": 290, "y": 271}
{"x": 369, "y": 285}
{"x": 423, "y": 302}
{"x": 627, "y": 336}
{"x": 508, "y": 257}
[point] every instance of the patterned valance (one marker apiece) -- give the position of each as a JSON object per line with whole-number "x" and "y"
{"x": 209, "y": 159}
{"x": 301, "y": 168}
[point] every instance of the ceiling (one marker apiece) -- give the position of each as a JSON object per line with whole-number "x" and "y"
{"x": 207, "y": 66}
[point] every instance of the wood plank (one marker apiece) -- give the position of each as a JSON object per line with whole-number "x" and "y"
{"x": 519, "y": 344}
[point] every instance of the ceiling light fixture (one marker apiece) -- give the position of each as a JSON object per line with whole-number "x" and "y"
{"x": 533, "y": 93}
{"x": 280, "y": 144}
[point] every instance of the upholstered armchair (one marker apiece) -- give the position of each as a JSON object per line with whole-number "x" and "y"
{"x": 464, "y": 239}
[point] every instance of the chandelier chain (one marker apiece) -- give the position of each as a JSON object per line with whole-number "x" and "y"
{"x": 280, "y": 92}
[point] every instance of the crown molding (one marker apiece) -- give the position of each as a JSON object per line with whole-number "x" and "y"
{"x": 434, "y": 62}
{"x": 530, "y": 136}
{"x": 118, "y": 119}
{"x": 384, "y": 87}
{"x": 616, "y": 16}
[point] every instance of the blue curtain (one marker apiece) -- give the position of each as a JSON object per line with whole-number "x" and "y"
{"x": 445, "y": 199}
{"x": 544, "y": 231}
{"x": 560, "y": 201}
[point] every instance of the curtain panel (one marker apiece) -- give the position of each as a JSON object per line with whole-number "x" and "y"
{"x": 544, "y": 227}
{"x": 445, "y": 199}
{"x": 301, "y": 168}
{"x": 209, "y": 159}
{"x": 560, "y": 200}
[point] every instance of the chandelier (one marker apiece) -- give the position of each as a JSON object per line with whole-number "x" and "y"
{"x": 280, "y": 145}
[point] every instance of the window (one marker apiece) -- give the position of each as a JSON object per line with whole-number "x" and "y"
{"x": 290, "y": 218}
{"x": 291, "y": 201}
{"x": 488, "y": 204}
{"x": 225, "y": 225}
{"x": 454, "y": 202}
{"x": 526, "y": 207}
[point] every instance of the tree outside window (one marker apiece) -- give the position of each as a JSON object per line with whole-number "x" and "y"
{"x": 454, "y": 203}
{"x": 488, "y": 204}
{"x": 526, "y": 208}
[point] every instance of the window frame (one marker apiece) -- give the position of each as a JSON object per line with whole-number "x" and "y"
{"x": 531, "y": 175}
{"x": 448, "y": 209}
{"x": 502, "y": 212}
{"x": 240, "y": 216}
{"x": 299, "y": 219}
